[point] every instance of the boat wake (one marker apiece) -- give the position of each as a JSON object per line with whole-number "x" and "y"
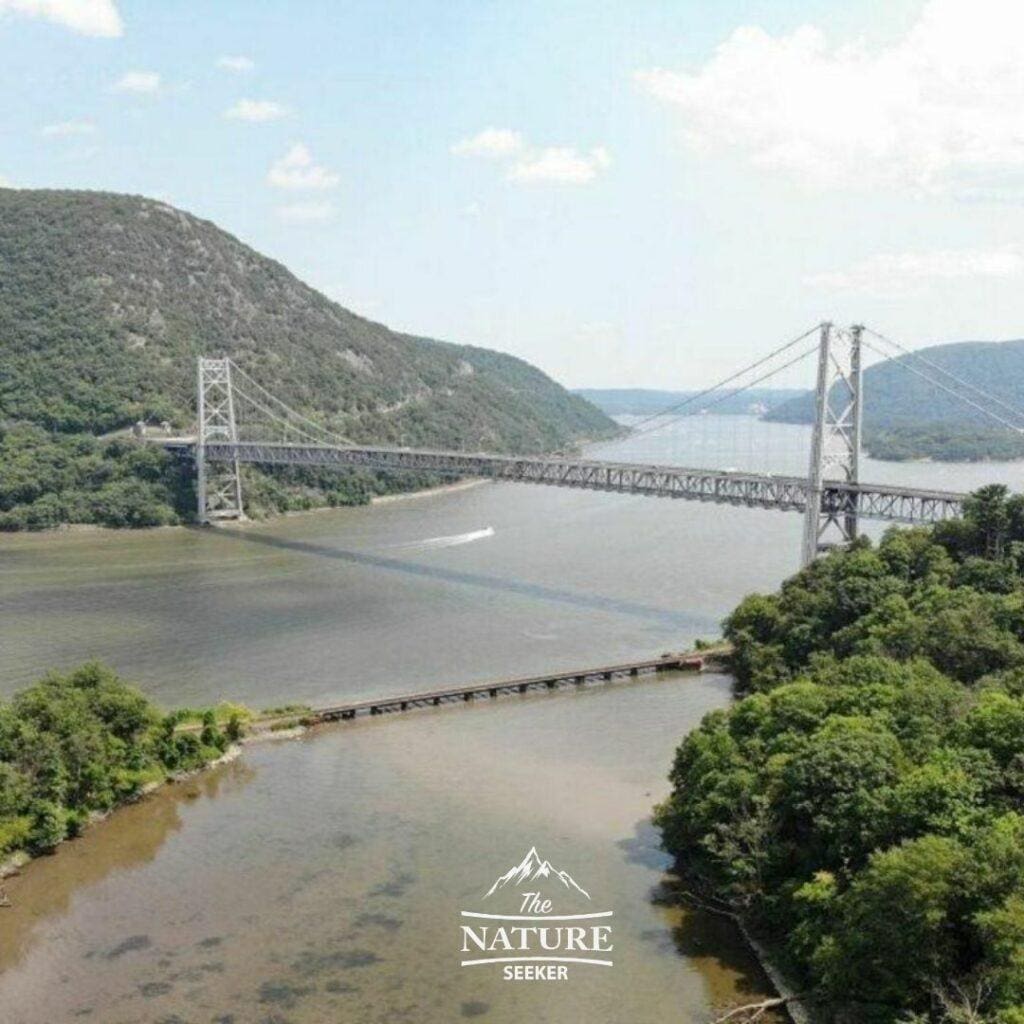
{"x": 450, "y": 542}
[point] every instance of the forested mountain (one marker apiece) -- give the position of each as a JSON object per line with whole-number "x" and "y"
{"x": 106, "y": 300}
{"x": 905, "y": 416}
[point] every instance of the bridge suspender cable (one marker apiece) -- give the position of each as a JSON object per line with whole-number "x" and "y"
{"x": 331, "y": 436}
{"x": 949, "y": 391}
{"x": 288, "y": 427}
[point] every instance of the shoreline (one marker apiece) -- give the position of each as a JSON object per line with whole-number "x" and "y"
{"x": 287, "y": 726}
{"x": 86, "y": 529}
{"x": 13, "y": 864}
{"x": 466, "y": 484}
{"x": 291, "y": 727}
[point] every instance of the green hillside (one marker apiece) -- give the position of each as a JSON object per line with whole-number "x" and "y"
{"x": 908, "y": 417}
{"x": 105, "y": 302}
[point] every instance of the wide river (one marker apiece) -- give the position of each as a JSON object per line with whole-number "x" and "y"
{"x": 322, "y": 879}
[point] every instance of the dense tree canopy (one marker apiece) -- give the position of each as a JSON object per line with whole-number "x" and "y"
{"x": 944, "y": 442}
{"x": 77, "y": 744}
{"x": 863, "y": 803}
{"x": 48, "y": 479}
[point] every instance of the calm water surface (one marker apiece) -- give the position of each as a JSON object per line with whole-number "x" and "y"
{"x": 320, "y": 880}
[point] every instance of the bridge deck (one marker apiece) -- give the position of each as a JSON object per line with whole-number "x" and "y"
{"x": 887, "y": 502}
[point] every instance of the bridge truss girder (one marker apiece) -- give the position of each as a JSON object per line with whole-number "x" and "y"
{"x": 836, "y": 499}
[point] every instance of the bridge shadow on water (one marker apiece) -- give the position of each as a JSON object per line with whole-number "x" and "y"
{"x": 670, "y": 617}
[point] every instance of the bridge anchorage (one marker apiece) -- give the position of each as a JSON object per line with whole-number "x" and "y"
{"x": 831, "y": 496}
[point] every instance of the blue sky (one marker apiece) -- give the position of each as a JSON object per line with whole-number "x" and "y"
{"x": 633, "y": 193}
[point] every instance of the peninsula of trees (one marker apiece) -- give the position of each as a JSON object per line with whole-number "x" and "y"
{"x": 862, "y": 805}
{"x": 77, "y": 745}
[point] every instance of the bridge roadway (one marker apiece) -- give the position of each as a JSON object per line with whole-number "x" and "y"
{"x": 787, "y": 493}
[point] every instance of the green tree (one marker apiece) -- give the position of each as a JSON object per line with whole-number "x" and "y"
{"x": 894, "y": 935}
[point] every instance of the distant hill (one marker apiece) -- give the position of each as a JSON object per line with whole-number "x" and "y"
{"x": 907, "y": 417}
{"x": 106, "y": 300}
{"x": 645, "y": 401}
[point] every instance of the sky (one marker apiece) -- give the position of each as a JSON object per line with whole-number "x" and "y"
{"x": 642, "y": 193}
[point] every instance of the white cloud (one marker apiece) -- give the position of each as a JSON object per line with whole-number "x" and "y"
{"x": 886, "y": 273}
{"x": 560, "y": 164}
{"x": 138, "y": 81}
{"x": 297, "y": 170}
{"x": 533, "y": 164}
{"x": 5, "y": 182}
{"x": 471, "y": 209}
{"x": 937, "y": 111}
{"x": 68, "y": 128}
{"x": 256, "y": 110}
{"x": 236, "y": 63}
{"x": 491, "y": 142}
{"x": 307, "y": 213}
{"x": 87, "y": 17}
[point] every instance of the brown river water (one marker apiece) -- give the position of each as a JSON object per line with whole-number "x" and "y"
{"x": 322, "y": 879}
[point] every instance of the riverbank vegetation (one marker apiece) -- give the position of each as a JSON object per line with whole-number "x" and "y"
{"x": 942, "y": 442}
{"x": 862, "y": 806}
{"x": 77, "y": 745}
{"x": 47, "y": 480}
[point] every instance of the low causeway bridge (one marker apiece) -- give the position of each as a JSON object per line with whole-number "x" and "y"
{"x": 558, "y": 680}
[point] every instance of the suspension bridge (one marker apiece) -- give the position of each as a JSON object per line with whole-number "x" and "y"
{"x": 241, "y": 422}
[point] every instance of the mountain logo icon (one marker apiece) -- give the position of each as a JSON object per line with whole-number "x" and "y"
{"x": 530, "y": 869}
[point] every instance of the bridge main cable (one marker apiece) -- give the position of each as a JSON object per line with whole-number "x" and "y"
{"x": 690, "y": 399}
{"x": 1013, "y": 410}
{"x": 739, "y": 391}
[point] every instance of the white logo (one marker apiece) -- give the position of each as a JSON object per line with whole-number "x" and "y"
{"x": 533, "y": 941}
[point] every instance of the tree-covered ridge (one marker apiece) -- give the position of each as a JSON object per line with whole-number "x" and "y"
{"x": 907, "y": 417}
{"x": 106, "y": 300}
{"x": 944, "y": 443}
{"x": 863, "y": 804}
{"x": 79, "y": 744}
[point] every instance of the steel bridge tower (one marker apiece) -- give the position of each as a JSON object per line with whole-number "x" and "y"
{"x": 835, "y": 443}
{"x": 218, "y": 484}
